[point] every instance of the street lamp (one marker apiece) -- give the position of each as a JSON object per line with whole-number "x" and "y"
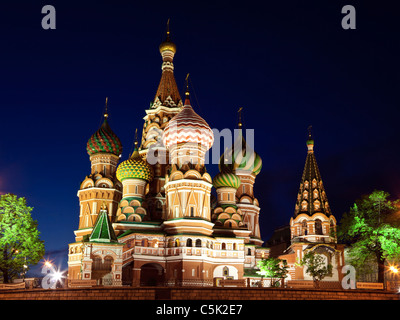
{"x": 394, "y": 269}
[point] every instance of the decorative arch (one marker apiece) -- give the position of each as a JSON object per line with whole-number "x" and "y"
{"x": 192, "y": 174}
{"x": 102, "y": 181}
{"x": 87, "y": 183}
{"x": 177, "y": 175}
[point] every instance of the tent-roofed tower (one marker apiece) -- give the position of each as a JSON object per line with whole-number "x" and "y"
{"x": 313, "y": 219}
{"x": 313, "y": 226}
{"x": 166, "y": 104}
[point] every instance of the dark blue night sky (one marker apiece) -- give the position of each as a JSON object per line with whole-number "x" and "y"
{"x": 289, "y": 64}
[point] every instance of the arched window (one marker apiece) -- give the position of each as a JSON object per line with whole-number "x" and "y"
{"x": 177, "y": 243}
{"x": 192, "y": 211}
{"x": 223, "y": 247}
{"x": 198, "y": 243}
{"x": 189, "y": 243}
{"x": 304, "y": 227}
{"x": 318, "y": 227}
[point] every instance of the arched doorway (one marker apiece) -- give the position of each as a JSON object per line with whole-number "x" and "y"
{"x": 101, "y": 269}
{"x": 127, "y": 274}
{"x": 151, "y": 274}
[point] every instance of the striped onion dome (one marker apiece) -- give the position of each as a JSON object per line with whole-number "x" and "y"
{"x": 226, "y": 180}
{"x": 188, "y": 127}
{"x": 240, "y": 157}
{"x": 104, "y": 140}
{"x": 135, "y": 168}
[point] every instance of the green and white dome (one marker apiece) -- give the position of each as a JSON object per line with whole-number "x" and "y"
{"x": 226, "y": 180}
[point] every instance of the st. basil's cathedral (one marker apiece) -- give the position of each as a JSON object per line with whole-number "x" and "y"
{"x": 146, "y": 222}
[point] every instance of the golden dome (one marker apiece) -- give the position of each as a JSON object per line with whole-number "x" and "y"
{"x": 167, "y": 45}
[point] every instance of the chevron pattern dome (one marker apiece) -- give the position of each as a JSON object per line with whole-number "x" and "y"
{"x": 188, "y": 127}
{"x": 104, "y": 140}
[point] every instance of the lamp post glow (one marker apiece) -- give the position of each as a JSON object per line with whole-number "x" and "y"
{"x": 52, "y": 276}
{"x": 394, "y": 269}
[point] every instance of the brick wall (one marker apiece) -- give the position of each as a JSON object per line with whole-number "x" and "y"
{"x": 151, "y": 293}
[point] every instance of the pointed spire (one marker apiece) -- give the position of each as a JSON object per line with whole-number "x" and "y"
{"x": 135, "y": 153}
{"x": 240, "y": 117}
{"x": 187, "y": 93}
{"x": 106, "y": 109}
{"x": 167, "y": 44}
{"x": 168, "y": 30}
{"x": 167, "y": 89}
{"x": 311, "y": 197}
{"x": 310, "y": 140}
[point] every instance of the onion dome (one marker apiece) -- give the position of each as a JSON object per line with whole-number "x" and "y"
{"x": 188, "y": 127}
{"x": 135, "y": 168}
{"x": 240, "y": 157}
{"x": 226, "y": 180}
{"x": 104, "y": 140}
{"x": 167, "y": 44}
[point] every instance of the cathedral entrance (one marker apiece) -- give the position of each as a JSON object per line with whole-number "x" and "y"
{"x": 101, "y": 270}
{"x": 151, "y": 274}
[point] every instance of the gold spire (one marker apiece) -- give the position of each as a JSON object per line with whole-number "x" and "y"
{"x": 135, "y": 153}
{"x": 310, "y": 140}
{"x": 187, "y": 85}
{"x": 187, "y": 93}
{"x": 168, "y": 29}
{"x": 103, "y": 206}
{"x": 240, "y": 117}
{"x": 167, "y": 45}
{"x": 136, "y": 141}
{"x": 106, "y": 109}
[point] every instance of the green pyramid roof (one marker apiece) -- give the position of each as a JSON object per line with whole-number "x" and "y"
{"x": 103, "y": 231}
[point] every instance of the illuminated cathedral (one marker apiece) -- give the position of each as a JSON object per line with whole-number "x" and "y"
{"x": 151, "y": 219}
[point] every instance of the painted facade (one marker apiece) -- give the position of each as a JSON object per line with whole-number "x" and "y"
{"x": 150, "y": 219}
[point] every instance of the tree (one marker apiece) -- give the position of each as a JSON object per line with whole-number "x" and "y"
{"x": 20, "y": 245}
{"x": 316, "y": 266}
{"x": 371, "y": 229}
{"x": 273, "y": 268}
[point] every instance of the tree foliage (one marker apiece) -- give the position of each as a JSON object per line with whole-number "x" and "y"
{"x": 20, "y": 245}
{"x": 371, "y": 229}
{"x": 316, "y": 266}
{"x": 273, "y": 268}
